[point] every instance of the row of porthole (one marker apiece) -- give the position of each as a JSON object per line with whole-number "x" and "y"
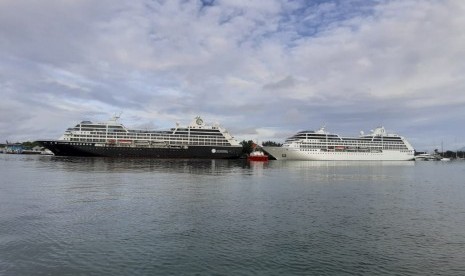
{"x": 112, "y": 148}
{"x": 80, "y": 144}
{"x": 193, "y": 143}
{"x": 352, "y": 153}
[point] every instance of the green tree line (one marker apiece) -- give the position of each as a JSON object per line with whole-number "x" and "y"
{"x": 248, "y": 146}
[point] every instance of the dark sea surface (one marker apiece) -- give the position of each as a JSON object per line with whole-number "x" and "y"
{"x": 98, "y": 216}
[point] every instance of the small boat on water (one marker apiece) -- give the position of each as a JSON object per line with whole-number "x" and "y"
{"x": 257, "y": 156}
{"x": 426, "y": 157}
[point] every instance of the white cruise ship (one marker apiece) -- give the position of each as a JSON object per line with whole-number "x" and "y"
{"x": 112, "y": 139}
{"x": 321, "y": 145}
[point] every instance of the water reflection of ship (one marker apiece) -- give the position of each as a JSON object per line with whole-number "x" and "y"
{"x": 128, "y": 165}
{"x": 257, "y": 168}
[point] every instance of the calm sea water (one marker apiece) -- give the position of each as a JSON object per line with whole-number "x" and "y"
{"x": 97, "y": 216}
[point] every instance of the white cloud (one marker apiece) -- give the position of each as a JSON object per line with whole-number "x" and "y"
{"x": 281, "y": 65}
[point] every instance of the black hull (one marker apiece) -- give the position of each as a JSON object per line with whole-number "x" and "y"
{"x": 65, "y": 148}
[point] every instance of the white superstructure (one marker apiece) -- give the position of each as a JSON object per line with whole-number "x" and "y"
{"x": 322, "y": 145}
{"x": 197, "y": 133}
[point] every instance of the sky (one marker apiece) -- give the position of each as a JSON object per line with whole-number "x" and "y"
{"x": 262, "y": 69}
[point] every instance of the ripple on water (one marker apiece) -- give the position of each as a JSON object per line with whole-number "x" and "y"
{"x": 123, "y": 217}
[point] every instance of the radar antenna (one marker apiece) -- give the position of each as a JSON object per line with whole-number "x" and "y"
{"x": 116, "y": 116}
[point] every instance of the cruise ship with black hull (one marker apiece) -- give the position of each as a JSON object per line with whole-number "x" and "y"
{"x": 112, "y": 139}
{"x": 322, "y": 145}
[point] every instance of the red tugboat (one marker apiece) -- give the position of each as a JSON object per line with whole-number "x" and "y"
{"x": 257, "y": 155}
